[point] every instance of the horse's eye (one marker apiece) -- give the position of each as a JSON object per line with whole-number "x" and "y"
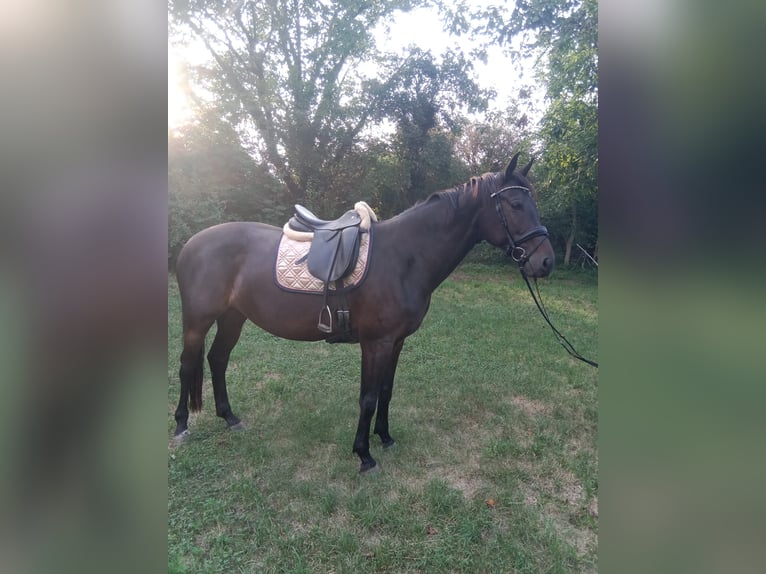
{"x": 517, "y": 205}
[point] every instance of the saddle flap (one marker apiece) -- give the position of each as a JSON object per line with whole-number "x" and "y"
{"x": 333, "y": 253}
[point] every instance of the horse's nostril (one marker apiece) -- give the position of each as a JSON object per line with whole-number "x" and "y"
{"x": 547, "y": 263}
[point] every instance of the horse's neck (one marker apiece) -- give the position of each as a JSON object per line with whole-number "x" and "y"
{"x": 439, "y": 236}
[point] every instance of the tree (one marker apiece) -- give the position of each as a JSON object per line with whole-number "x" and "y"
{"x": 564, "y": 35}
{"x": 570, "y": 170}
{"x": 212, "y": 179}
{"x": 288, "y": 73}
{"x": 427, "y": 116}
{"x": 485, "y": 145}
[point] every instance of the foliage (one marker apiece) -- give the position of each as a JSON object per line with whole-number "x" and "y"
{"x": 487, "y": 145}
{"x": 212, "y": 179}
{"x": 564, "y": 34}
{"x": 569, "y": 172}
{"x": 427, "y": 115}
{"x": 188, "y": 214}
{"x": 289, "y": 75}
{"x": 570, "y": 126}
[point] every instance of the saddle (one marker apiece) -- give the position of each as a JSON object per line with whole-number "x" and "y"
{"x": 333, "y": 254}
{"x": 335, "y": 245}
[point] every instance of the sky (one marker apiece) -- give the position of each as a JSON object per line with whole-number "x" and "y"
{"x": 407, "y": 28}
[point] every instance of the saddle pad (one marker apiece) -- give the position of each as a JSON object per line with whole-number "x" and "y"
{"x": 293, "y": 276}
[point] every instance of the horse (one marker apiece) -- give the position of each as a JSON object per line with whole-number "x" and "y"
{"x": 226, "y": 276}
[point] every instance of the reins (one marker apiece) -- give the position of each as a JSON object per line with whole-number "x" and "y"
{"x": 561, "y": 338}
{"x": 516, "y": 252}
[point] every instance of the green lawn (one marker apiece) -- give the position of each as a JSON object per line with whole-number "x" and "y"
{"x": 495, "y": 467}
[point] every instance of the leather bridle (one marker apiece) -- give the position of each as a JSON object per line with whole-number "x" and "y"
{"x": 514, "y": 250}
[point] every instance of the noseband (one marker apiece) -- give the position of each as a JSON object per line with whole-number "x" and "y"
{"x": 515, "y": 251}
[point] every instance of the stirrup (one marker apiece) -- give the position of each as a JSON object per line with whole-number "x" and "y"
{"x": 325, "y": 327}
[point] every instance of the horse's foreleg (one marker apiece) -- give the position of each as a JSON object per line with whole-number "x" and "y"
{"x": 377, "y": 361}
{"x": 384, "y": 398}
{"x": 229, "y": 330}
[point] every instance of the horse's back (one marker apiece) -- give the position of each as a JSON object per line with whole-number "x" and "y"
{"x": 209, "y": 264}
{"x": 226, "y": 241}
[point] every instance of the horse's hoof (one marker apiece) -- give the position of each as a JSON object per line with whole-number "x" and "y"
{"x": 240, "y": 426}
{"x": 181, "y": 437}
{"x": 389, "y": 443}
{"x": 368, "y": 467}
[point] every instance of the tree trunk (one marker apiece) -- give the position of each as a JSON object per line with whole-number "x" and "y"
{"x": 572, "y": 233}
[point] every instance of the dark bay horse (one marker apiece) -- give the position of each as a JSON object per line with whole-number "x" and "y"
{"x": 226, "y": 276}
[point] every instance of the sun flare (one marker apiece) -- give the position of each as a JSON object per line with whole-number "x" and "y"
{"x": 179, "y": 112}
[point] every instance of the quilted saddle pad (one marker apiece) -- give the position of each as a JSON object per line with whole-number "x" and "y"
{"x": 292, "y": 275}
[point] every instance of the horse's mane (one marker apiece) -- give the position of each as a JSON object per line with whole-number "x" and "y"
{"x": 453, "y": 199}
{"x": 477, "y": 185}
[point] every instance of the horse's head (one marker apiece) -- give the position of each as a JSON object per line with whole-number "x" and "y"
{"x": 511, "y": 221}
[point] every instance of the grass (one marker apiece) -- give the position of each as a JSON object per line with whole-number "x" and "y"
{"x": 494, "y": 470}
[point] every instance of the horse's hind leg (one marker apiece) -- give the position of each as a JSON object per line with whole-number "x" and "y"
{"x": 229, "y": 330}
{"x": 190, "y": 375}
{"x": 384, "y": 398}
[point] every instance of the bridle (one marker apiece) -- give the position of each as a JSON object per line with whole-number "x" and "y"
{"x": 516, "y": 252}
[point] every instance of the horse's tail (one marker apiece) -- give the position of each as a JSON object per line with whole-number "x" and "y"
{"x": 195, "y": 381}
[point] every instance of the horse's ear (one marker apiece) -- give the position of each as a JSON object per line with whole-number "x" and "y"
{"x": 525, "y": 169}
{"x": 511, "y": 166}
